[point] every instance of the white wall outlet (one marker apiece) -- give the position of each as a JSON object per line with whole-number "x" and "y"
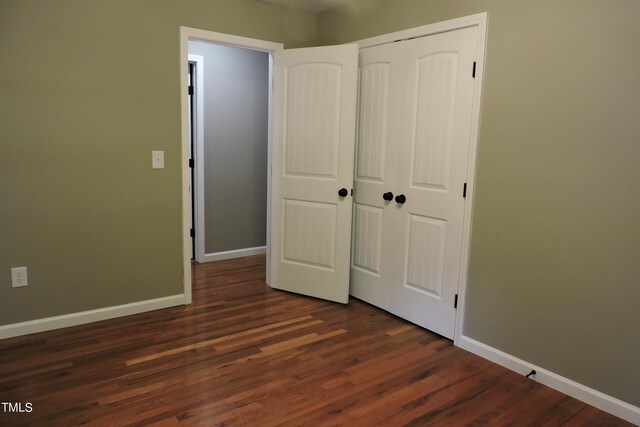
{"x": 19, "y": 277}
{"x": 157, "y": 161}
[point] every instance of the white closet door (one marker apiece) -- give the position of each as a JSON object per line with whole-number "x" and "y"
{"x": 315, "y": 93}
{"x": 413, "y": 140}
{"x": 375, "y": 260}
{"x": 437, "y": 102}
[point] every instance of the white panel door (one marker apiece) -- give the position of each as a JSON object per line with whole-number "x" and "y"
{"x": 413, "y": 141}
{"x": 437, "y": 105}
{"x": 374, "y": 263}
{"x": 312, "y": 170}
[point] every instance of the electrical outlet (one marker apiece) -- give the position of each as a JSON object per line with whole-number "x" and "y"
{"x": 19, "y": 277}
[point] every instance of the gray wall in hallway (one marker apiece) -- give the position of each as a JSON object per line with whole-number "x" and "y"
{"x": 236, "y": 95}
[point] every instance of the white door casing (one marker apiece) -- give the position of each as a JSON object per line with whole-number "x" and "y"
{"x": 312, "y": 159}
{"x": 421, "y": 238}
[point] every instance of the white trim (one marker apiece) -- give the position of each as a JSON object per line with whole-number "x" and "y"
{"x": 576, "y": 390}
{"x": 184, "y": 165}
{"x": 230, "y": 40}
{"x": 479, "y": 20}
{"x": 471, "y": 172}
{"x": 237, "y": 253}
{"x": 269, "y": 142}
{"x": 74, "y": 319}
{"x": 199, "y": 155}
{"x": 186, "y": 34}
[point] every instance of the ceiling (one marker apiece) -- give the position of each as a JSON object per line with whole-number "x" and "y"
{"x": 310, "y": 5}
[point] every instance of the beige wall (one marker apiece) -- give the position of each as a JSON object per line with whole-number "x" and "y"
{"x": 554, "y": 273}
{"x": 88, "y": 89}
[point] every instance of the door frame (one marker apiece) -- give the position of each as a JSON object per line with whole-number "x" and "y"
{"x": 479, "y": 20}
{"x": 198, "y": 154}
{"x": 186, "y": 34}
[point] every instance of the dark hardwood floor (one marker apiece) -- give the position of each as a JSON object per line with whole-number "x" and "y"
{"x": 244, "y": 354}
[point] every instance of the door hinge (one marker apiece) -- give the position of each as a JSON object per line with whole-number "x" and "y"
{"x": 473, "y": 73}
{"x": 192, "y": 232}
{"x": 191, "y": 163}
{"x": 455, "y": 301}
{"x": 190, "y": 90}
{"x": 464, "y": 191}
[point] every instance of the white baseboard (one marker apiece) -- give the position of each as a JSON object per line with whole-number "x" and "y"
{"x": 73, "y": 319}
{"x": 576, "y": 390}
{"x": 238, "y": 253}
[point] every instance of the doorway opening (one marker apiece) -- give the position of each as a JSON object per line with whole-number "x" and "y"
{"x": 229, "y": 147}
{"x": 226, "y": 134}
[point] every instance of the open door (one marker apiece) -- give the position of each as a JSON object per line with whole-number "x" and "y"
{"x": 314, "y": 119}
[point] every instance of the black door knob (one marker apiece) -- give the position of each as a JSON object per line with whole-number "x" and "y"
{"x": 400, "y": 199}
{"x": 343, "y": 192}
{"x": 388, "y": 196}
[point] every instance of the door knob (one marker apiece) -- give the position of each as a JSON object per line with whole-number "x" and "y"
{"x": 400, "y": 199}
{"x": 343, "y": 192}
{"x": 388, "y": 196}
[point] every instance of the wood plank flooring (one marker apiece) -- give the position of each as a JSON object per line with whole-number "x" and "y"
{"x": 244, "y": 354}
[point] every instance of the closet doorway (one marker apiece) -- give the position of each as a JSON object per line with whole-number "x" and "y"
{"x": 419, "y": 108}
{"x": 411, "y": 175}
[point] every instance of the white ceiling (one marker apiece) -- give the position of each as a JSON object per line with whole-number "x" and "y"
{"x": 311, "y": 5}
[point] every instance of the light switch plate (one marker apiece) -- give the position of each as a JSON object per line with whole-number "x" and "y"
{"x": 157, "y": 159}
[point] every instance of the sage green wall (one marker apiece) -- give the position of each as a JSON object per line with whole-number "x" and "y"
{"x": 88, "y": 89}
{"x": 554, "y": 274}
